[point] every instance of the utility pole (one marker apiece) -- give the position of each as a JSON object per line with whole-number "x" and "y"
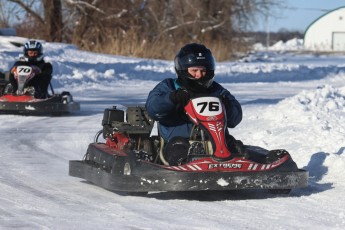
{"x": 267, "y": 32}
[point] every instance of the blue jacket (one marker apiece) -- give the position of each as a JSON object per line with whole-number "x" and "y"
{"x": 172, "y": 121}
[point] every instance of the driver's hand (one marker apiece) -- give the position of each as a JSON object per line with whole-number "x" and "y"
{"x": 180, "y": 97}
{"x": 36, "y": 69}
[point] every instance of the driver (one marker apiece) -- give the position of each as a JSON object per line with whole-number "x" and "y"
{"x": 33, "y": 56}
{"x": 194, "y": 66}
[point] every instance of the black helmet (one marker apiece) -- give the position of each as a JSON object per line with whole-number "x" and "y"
{"x": 33, "y": 46}
{"x": 194, "y": 55}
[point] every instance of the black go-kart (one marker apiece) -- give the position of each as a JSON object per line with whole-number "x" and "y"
{"x": 133, "y": 157}
{"x": 23, "y": 100}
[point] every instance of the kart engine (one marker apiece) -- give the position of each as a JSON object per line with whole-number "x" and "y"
{"x": 128, "y": 131}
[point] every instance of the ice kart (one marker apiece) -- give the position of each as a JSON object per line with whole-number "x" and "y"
{"x": 24, "y": 102}
{"x": 133, "y": 160}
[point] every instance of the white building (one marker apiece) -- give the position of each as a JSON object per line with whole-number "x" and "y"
{"x": 327, "y": 33}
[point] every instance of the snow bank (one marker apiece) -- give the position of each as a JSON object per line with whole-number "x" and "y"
{"x": 318, "y": 114}
{"x": 290, "y": 45}
{"x": 11, "y": 43}
{"x": 293, "y": 44}
{"x": 315, "y": 105}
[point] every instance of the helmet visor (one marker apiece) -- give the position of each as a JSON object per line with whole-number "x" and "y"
{"x": 197, "y": 59}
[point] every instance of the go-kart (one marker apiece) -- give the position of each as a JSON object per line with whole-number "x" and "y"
{"x": 23, "y": 101}
{"x": 133, "y": 156}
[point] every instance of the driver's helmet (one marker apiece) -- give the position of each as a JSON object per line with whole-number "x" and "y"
{"x": 33, "y": 45}
{"x": 194, "y": 55}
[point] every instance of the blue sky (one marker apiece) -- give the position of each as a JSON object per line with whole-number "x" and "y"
{"x": 298, "y": 14}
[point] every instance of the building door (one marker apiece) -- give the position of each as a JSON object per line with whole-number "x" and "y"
{"x": 338, "y": 41}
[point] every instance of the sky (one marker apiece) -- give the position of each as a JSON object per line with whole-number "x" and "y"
{"x": 290, "y": 100}
{"x": 298, "y": 14}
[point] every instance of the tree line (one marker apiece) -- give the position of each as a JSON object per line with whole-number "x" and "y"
{"x": 138, "y": 28}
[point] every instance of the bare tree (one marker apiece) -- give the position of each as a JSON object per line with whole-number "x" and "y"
{"x": 148, "y": 28}
{"x": 48, "y": 25}
{"x": 7, "y": 13}
{"x": 53, "y": 19}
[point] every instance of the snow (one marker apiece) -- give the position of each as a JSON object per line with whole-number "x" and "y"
{"x": 293, "y": 44}
{"x": 291, "y": 100}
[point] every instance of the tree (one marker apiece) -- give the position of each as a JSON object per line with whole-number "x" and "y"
{"x": 49, "y": 23}
{"x": 53, "y": 19}
{"x": 147, "y": 28}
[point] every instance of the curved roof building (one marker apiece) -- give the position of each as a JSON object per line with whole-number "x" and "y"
{"x": 327, "y": 33}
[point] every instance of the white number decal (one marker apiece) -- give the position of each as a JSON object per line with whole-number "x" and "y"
{"x": 213, "y": 106}
{"x": 24, "y": 69}
{"x": 207, "y": 106}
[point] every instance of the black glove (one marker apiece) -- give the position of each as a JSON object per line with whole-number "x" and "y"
{"x": 180, "y": 97}
{"x": 36, "y": 69}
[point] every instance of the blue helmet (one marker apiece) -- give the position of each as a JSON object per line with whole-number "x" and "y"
{"x": 33, "y": 45}
{"x": 194, "y": 55}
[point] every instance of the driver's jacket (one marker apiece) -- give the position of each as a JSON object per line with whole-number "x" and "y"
{"x": 173, "y": 121}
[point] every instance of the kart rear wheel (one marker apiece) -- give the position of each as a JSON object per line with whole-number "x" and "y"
{"x": 280, "y": 191}
{"x": 127, "y": 170}
{"x": 137, "y": 193}
{"x": 126, "y": 166}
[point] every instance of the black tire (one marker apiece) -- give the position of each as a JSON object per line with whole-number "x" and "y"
{"x": 127, "y": 166}
{"x": 137, "y": 193}
{"x": 280, "y": 191}
{"x": 66, "y": 97}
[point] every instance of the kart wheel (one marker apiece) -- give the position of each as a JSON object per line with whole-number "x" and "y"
{"x": 124, "y": 165}
{"x": 137, "y": 193}
{"x": 280, "y": 191}
{"x": 127, "y": 171}
{"x": 121, "y": 167}
{"x": 66, "y": 97}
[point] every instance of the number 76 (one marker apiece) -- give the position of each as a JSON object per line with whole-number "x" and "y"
{"x": 212, "y": 106}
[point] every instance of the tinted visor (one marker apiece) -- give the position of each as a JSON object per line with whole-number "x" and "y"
{"x": 196, "y": 59}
